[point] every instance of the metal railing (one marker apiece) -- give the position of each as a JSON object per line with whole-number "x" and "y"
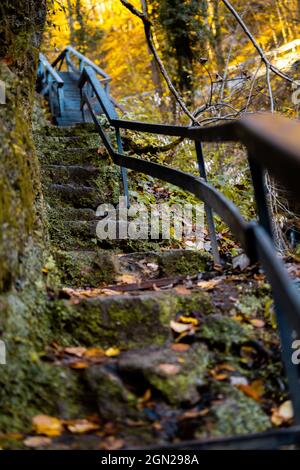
{"x": 272, "y": 144}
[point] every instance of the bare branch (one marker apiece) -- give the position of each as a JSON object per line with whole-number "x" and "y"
{"x": 149, "y": 37}
{"x": 259, "y": 49}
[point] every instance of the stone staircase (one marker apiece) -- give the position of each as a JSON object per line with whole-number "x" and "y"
{"x": 123, "y": 294}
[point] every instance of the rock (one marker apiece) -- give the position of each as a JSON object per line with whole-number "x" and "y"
{"x": 234, "y": 413}
{"x": 176, "y": 376}
{"x": 113, "y": 399}
{"x": 125, "y": 320}
{"x": 219, "y": 329}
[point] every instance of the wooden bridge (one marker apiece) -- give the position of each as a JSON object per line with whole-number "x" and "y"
{"x": 81, "y": 93}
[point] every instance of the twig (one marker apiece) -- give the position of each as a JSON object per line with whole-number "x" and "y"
{"x": 255, "y": 44}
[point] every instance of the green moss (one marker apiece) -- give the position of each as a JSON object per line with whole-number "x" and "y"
{"x": 86, "y": 268}
{"x": 222, "y": 330}
{"x": 184, "y": 262}
{"x": 236, "y": 414}
{"x": 126, "y": 321}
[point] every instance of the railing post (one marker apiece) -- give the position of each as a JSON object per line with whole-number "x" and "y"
{"x": 208, "y": 211}
{"x": 260, "y": 193}
{"x": 123, "y": 169}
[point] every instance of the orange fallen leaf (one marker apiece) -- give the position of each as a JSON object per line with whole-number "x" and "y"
{"x": 47, "y": 425}
{"x": 82, "y": 426}
{"x": 37, "y": 441}
{"x": 78, "y": 365}
{"x": 255, "y": 390}
{"x": 94, "y": 352}
{"x": 180, "y": 347}
{"x": 169, "y": 369}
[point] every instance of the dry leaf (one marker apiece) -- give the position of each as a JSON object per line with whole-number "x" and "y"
{"x": 127, "y": 279}
{"x": 82, "y": 426}
{"x": 47, "y": 425}
{"x": 78, "y": 365}
{"x": 37, "y": 441}
{"x": 180, "y": 347}
{"x": 182, "y": 290}
{"x": 209, "y": 285}
{"x": 255, "y": 390}
{"x": 194, "y": 413}
{"x": 283, "y": 414}
{"x": 180, "y": 327}
{"x": 191, "y": 320}
{"x": 94, "y": 353}
{"x": 169, "y": 369}
{"x": 76, "y": 351}
{"x": 257, "y": 323}
{"x": 112, "y": 352}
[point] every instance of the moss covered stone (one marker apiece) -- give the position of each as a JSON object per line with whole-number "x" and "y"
{"x": 176, "y": 376}
{"x": 126, "y": 321}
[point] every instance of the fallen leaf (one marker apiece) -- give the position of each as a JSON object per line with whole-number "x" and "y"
{"x": 82, "y": 426}
{"x": 112, "y": 352}
{"x": 94, "y": 353}
{"x": 180, "y": 347}
{"x": 112, "y": 443}
{"x": 77, "y": 351}
{"x": 209, "y": 285}
{"x": 127, "y": 279}
{"x": 191, "y": 320}
{"x": 147, "y": 395}
{"x": 78, "y": 365}
{"x": 47, "y": 425}
{"x": 37, "y": 441}
{"x": 169, "y": 369}
{"x": 255, "y": 390}
{"x": 283, "y": 414}
{"x": 257, "y": 323}
{"x": 180, "y": 327}
{"x": 182, "y": 290}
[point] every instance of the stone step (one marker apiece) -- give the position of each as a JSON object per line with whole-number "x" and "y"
{"x": 106, "y": 189}
{"x": 74, "y": 130}
{"x": 74, "y": 174}
{"x": 62, "y": 142}
{"x": 70, "y": 213}
{"x": 81, "y": 234}
{"x": 97, "y": 267}
{"x": 72, "y": 156}
{"x": 126, "y": 320}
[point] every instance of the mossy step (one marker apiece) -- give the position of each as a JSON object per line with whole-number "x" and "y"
{"x": 125, "y": 320}
{"x": 74, "y": 130}
{"x": 74, "y": 174}
{"x": 81, "y": 234}
{"x": 70, "y": 213}
{"x": 80, "y": 196}
{"x": 73, "y": 156}
{"x": 60, "y": 142}
{"x": 94, "y": 268}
